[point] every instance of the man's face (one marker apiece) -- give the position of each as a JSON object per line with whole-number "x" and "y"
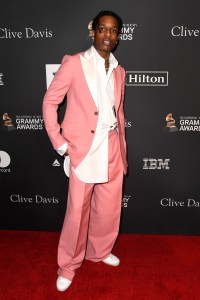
{"x": 106, "y": 35}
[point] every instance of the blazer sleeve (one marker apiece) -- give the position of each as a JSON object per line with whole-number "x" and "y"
{"x": 121, "y": 127}
{"x": 53, "y": 98}
{"x": 121, "y": 108}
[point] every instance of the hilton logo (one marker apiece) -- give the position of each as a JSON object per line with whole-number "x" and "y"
{"x": 147, "y": 78}
{"x": 1, "y": 80}
{"x": 152, "y": 164}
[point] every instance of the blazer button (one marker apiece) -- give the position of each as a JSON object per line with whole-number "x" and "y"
{"x": 92, "y": 131}
{"x": 96, "y": 113}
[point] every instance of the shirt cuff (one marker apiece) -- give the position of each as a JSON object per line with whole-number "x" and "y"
{"x": 62, "y": 149}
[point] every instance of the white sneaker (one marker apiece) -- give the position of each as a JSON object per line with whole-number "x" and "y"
{"x": 112, "y": 260}
{"x": 62, "y": 283}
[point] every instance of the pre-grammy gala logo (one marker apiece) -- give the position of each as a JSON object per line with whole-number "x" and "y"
{"x": 27, "y": 33}
{"x": 147, "y": 78}
{"x": 127, "y": 32}
{"x": 29, "y": 122}
{"x": 185, "y": 123}
{"x": 1, "y": 79}
{"x": 125, "y": 200}
{"x": 24, "y": 122}
{"x": 189, "y": 123}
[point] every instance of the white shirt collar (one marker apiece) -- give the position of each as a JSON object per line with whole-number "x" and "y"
{"x": 112, "y": 60}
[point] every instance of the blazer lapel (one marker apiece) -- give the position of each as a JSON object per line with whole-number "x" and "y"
{"x": 89, "y": 70}
{"x": 118, "y": 83}
{"x": 88, "y": 65}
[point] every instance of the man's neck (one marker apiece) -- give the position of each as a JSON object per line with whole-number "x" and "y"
{"x": 103, "y": 54}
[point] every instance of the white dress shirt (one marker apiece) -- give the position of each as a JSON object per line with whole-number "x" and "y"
{"x": 94, "y": 167}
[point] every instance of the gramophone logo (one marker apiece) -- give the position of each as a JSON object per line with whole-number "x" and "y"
{"x": 170, "y": 124}
{"x": 7, "y": 123}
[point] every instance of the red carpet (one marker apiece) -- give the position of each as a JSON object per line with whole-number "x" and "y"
{"x": 152, "y": 267}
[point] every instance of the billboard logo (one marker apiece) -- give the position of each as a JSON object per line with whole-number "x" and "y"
{"x": 147, "y": 78}
{"x": 4, "y": 159}
{"x": 153, "y": 164}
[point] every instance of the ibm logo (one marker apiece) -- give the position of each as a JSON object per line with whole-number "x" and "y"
{"x": 152, "y": 163}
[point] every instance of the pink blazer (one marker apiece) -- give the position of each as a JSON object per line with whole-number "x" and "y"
{"x": 75, "y": 77}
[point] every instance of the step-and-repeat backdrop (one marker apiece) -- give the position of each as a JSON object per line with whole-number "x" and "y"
{"x": 160, "y": 50}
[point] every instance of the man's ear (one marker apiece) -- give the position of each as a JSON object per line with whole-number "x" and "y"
{"x": 92, "y": 34}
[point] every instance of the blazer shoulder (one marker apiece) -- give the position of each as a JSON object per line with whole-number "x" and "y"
{"x": 72, "y": 57}
{"x": 121, "y": 70}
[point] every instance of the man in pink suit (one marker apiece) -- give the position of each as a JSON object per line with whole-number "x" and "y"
{"x": 92, "y": 140}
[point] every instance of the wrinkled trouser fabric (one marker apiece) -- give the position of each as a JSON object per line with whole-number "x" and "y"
{"x": 91, "y": 223}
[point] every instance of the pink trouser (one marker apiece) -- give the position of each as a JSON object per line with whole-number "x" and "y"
{"x": 92, "y": 217}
